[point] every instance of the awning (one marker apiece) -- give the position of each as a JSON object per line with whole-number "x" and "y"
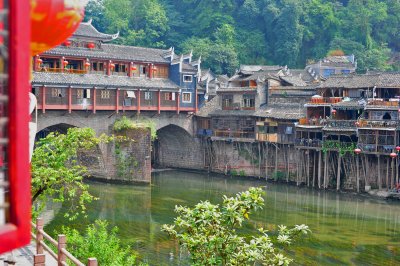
{"x": 131, "y": 94}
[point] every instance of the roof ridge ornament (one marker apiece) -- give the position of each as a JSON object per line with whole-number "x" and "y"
{"x": 90, "y": 21}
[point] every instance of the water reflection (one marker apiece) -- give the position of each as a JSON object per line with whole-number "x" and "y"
{"x": 347, "y": 229}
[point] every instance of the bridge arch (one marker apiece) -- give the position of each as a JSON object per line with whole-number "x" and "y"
{"x": 175, "y": 147}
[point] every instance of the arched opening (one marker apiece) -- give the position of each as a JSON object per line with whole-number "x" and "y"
{"x": 387, "y": 116}
{"x": 61, "y": 128}
{"x": 175, "y": 147}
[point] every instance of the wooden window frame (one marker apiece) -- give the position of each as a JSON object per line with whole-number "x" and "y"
{"x": 16, "y": 233}
{"x": 185, "y": 94}
{"x": 187, "y": 81}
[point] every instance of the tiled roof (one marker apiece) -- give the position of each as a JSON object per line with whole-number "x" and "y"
{"x": 113, "y": 52}
{"x": 188, "y": 68}
{"x": 353, "y": 81}
{"x": 256, "y": 68}
{"x": 294, "y": 80}
{"x": 209, "y": 107}
{"x": 97, "y": 80}
{"x": 303, "y": 74}
{"x": 238, "y": 89}
{"x": 349, "y": 105}
{"x": 338, "y": 61}
{"x": 86, "y": 29}
{"x": 232, "y": 113}
{"x": 282, "y": 112}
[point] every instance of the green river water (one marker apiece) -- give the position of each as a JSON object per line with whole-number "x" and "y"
{"x": 346, "y": 229}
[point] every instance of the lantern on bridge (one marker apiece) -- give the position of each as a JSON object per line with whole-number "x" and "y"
{"x": 357, "y": 151}
{"x": 53, "y": 21}
{"x": 393, "y": 155}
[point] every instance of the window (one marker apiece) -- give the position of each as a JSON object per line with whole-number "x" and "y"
{"x": 148, "y": 95}
{"x": 83, "y": 93}
{"x": 105, "y": 94}
{"x": 98, "y": 66}
{"x": 79, "y": 93}
{"x": 248, "y": 101}
{"x": 187, "y": 78}
{"x": 186, "y": 97}
{"x": 142, "y": 70}
{"x": 227, "y": 101}
{"x": 328, "y": 72}
{"x": 169, "y": 96}
{"x": 56, "y": 92}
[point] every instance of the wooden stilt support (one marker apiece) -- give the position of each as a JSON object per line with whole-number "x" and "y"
{"x": 387, "y": 174}
{"x": 358, "y": 173}
{"x": 319, "y": 168}
{"x": 393, "y": 177}
{"x": 308, "y": 168}
{"x": 276, "y": 161}
{"x": 338, "y": 172}
{"x": 379, "y": 173}
{"x": 314, "y": 166}
{"x": 325, "y": 169}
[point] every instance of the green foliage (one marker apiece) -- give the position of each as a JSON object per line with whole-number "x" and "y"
{"x": 227, "y": 33}
{"x": 125, "y": 123}
{"x": 278, "y": 175}
{"x": 233, "y": 172}
{"x": 342, "y": 147}
{"x": 208, "y": 233}
{"x": 56, "y": 173}
{"x": 99, "y": 242}
{"x": 242, "y": 173}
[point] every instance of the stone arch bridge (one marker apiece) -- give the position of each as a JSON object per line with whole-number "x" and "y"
{"x": 176, "y": 145}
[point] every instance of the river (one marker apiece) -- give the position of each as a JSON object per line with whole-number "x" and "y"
{"x": 347, "y": 229}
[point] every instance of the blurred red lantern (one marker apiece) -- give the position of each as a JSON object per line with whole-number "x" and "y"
{"x": 91, "y": 45}
{"x": 154, "y": 69}
{"x": 334, "y": 111}
{"x": 65, "y": 62}
{"x": 398, "y": 148}
{"x": 133, "y": 68}
{"x": 393, "y": 155}
{"x": 357, "y": 151}
{"x": 112, "y": 66}
{"x": 39, "y": 61}
{"x": 357, "y": 124}
{"x": 53, "y": 21}
{"x": 87, "y": 64}
{"x": 67, "y": 43}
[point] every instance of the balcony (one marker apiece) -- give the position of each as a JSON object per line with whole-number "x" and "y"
{"x": 312, "y": 123}
{"x": 267, "y": 137}
{"x": 379, "y": 124}
{"x": 382, "y": 103}
{"x": 317, "y": 143}
{"x": 234, "y": 134}
{"x": 341, "y": 124}
{"x": 324, "y": 100}
{"x": 387, "y": 149}
{"x": 60, "y": 70}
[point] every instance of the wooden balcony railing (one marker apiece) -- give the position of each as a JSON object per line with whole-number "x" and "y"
{"x": 312, "y": 122}
{"x": 341, "y": 123}
{"x": 325, "y": 100}
{"x": 379, "y": 123}
{"x": 61, "y": 246}
{"x": 376, "y": 148}
{"x": 308, "y": 142}
{"x": 66, "y": 70}
{"x": 384, "y": 103}
{"x": 234, "y": 134}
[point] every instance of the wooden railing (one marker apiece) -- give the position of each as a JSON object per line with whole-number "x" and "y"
{"x": 61, "y": 246}
{"x": 326, "y": 100}
{"x": 341, "y": 123}
{"x": 384, "y": 103}
{"x": 379, "y": 123}
{"x": 234, "y": 134}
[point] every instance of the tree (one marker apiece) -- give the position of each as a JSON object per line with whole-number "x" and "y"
{"x": 208, "y": 232}
{"x": 56, "y": 173}
{"x": 99, "y": 242}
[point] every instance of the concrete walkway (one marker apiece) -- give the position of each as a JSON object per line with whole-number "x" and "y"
{"x": 24, "y": 256}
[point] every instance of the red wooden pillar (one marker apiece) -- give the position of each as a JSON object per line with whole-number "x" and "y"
{"x": 109, "y": 68}
{"x": 138, "y": 101}
{"x": 62, "y": 64}
{"x": 159, "y": 102}
{"x": 130, "y": 72}
{"x": 178, "y": 102}
{"x": 150, "y": 71}
{"x": 69, "y": 99}
{"x": 44, "y": 99}
{"x": 94, "y": 100}
{"x": 117, "y": 101}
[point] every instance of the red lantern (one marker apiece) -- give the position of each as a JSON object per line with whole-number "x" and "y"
{"x": 91, "y": 45}
{"x": 87, "y": 65}
{"x": 53, "y": 21}
{"x": 65, "y": 63}
{"x": 112, "y": 66}
{"x": 39, "y": 61}
{"x": 357, "y": 151}
{"x": 393, "y": 155}
{"x": 154, "y": 69}
{"x": 334, "y": 111}
{"x": 397, "y": 148}
{"x": 67, "y": 43}
{"x": 133, "y": 68}
{"x": 357, "y": 124}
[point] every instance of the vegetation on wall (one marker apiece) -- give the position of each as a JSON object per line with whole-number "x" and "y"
{"x": 209, "y": 233}
{"x": 228, "y": 32}
{"x": 56, "y": 172}
{"x": 125, "y": 123}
